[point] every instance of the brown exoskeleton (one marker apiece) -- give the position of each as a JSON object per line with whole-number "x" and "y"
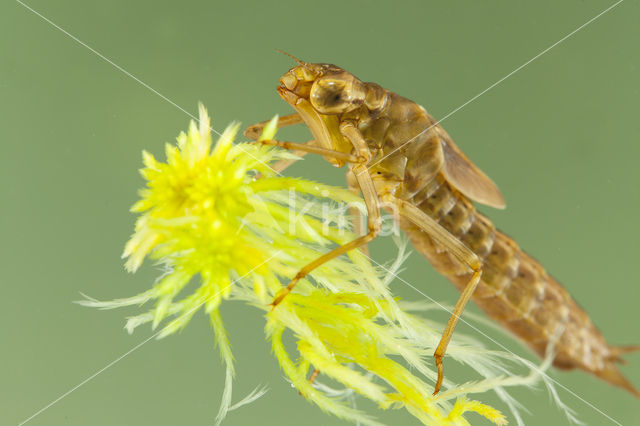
{"x": 399, "y": 156}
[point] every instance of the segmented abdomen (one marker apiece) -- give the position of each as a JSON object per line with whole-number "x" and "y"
{"x": 515, "y": 290}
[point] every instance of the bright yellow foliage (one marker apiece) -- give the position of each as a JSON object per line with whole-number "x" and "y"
{"x": 224, "y": 224}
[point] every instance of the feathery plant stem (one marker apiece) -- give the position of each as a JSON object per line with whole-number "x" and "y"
{"x": 224, "y": 226}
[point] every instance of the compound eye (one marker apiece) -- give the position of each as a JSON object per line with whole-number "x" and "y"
{"x": 330, "y": 96}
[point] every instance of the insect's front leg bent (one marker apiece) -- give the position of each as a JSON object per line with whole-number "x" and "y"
{"x": 254, "y": 131}
{"x": 281, "y": 165}
{"x": 310, "y": 147}
{"x": 462, "y": 253}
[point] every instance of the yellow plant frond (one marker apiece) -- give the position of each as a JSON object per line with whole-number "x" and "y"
{"x": 224, "y": 226}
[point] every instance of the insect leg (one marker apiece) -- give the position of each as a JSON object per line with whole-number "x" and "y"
{"x": 354, "y": 212}
{"x": 371, "y": 200}
{"x": 353, "y": 134}
{"x": 254, "y": 131}
{"x": 310, "y": 147}
{"x": 460, "y": 251}
{"x": 374, "y": 222}
{"x": 281, "y": 165}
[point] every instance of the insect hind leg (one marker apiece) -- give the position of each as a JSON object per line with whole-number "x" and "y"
{"x": 462, "y": 253}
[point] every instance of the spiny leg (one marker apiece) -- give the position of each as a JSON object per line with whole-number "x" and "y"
{"x": 310, "y": 147}
{"x": 354, "y": 212}
{"x": 254, "y": 131}
{"x": 299, "y": 149}
{"x": 460, "y": 251}
{"x": 364, "y": 181}
{"x": 353, "y": 134}
{"x": 280, "y": 165}
{"x": 373, "y": 222}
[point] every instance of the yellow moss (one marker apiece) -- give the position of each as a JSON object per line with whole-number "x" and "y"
{"x": 225, "y": 225}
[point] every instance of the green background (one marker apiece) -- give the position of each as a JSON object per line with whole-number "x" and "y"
{"x": 560, "y": 137}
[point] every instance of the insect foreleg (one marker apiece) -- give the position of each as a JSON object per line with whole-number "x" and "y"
{"x": 254, "y": 131}
{"x": 460, "y": 251}
{"x": 351, "y": 132}
{"x": 310, "y": 147}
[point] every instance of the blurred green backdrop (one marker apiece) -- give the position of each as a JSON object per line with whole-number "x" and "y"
{"x": 560, "y": 137}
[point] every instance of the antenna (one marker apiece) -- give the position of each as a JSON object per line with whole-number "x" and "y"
{"x": 303, "y": 63}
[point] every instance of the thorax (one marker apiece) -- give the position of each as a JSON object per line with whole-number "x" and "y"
{"x": 405, "y": 150}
